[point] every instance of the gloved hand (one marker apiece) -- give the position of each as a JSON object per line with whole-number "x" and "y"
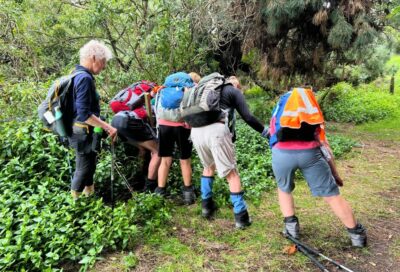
{"x": 265, "y": 133}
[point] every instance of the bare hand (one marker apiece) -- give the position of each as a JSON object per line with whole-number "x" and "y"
{"x": 112, "y": 133}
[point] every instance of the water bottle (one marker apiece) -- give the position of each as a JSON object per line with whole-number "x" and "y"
{"x": 59, "y": 122}
{"x": 97, "y": 135}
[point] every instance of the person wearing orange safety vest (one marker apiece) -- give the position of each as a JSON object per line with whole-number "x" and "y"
{"x": 298, "y": 141}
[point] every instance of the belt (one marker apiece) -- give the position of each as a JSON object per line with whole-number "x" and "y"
{"x": 82, "y": 125}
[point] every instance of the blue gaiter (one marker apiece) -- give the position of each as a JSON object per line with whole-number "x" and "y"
{"x": 206, "y": 187}
{"x": 238, "y": 202}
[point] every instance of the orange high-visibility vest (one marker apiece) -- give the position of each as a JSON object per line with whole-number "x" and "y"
{"x": 302, "y": 106}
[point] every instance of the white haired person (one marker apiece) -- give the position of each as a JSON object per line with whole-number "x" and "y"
{"x": 86, "y": 116}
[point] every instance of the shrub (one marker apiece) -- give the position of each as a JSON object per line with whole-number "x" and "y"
{"x": 261, "y": 107}
{"x": 40, "y": 226}
{"x": 344, "y": 103}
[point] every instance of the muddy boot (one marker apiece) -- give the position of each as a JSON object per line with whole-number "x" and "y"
{"x": 188, "y": 194}
{"x": 242, "y": 220}
{"x": 161, "y": 191}
{"x": 292, "y": 226}
{"x": 150, "y": 185}
{"x": 358, "y": 236}
{"x": 208, "y": 208}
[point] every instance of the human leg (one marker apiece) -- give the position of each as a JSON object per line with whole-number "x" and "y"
{"x": 208, "y": 206}
{"x": 151, "y": 181}
{"x": 166, "y": 146}
{"x": 241, "y": 214}
{"x": 284, "y": 165}
{"x": 322, "y": 183}
{"x": 83, "y": 175}
{"x": 201, "y": 144}
{"x": 163, "y": 171}
{"x": 286, "y": 203}
{"x": 185, "y": 147}
{"x": 89, "y": 182}
{"x": 343, "y": 211}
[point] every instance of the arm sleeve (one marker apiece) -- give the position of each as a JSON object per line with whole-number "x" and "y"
{"x": 83, "y": 99}
{"x": 243, "y": 110}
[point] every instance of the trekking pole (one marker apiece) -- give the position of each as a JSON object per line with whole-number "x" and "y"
{"x": 316, "y": 252}
{"x": 112, "y": 175}
{"x": 124, "y": 179}
{"x": 69, "y": 166}
{"x": 311, "y": 257}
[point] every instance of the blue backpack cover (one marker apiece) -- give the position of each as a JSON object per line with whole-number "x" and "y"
{"x": 169, "y": 98}
{"x": 275, "y": 123}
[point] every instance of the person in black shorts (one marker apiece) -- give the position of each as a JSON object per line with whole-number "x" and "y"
{"x": 171, "y": 133}
{"x": 133, "y": 125}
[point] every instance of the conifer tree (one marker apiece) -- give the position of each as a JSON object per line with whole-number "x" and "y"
{"x": 285, "y": 40}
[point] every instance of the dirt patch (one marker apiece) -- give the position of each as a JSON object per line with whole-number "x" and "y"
{"x": 379, "y": 162}
{"x": 393, "y": 193}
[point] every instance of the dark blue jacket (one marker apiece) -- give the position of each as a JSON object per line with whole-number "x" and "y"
{"x": 86, "y": 98}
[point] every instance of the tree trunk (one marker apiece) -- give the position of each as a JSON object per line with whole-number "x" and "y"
{"x": 391, "y": 90}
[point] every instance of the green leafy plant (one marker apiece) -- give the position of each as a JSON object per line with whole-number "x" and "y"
{"x": 41, "y": 227}
{"x": 344, "y": 103}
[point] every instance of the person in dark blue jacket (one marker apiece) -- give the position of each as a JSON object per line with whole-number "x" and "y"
{"x": 86, "y": 113}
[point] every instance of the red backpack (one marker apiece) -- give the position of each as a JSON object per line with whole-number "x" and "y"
{"x": 132, "y": 99}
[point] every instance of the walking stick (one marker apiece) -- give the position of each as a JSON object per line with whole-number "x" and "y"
{"x": 315, "y": 252}
{"x": 112, "y": 175}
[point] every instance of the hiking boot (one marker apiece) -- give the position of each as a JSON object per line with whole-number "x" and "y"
{"x": 208, "y": 208}
{"x": 358, "y": 236}
{"x": 242, "y": 220}
{"x": 189, "y": 196}
{"x": 150, "y": 186}
{"x": 75, "y": 194}
{"x": 292, "y": 226}
{"x": 161, "y": 191}
{"x": 88, "y": 190}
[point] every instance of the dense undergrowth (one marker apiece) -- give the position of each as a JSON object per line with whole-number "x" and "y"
{"x": 42, "y": 228}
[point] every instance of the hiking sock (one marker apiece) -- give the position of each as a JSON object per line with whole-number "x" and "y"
{"x": 206, "y": 187}
{"x": 292, "y": 226}
{"x": 238, "y": 202}
{"x": 358, "y": 235}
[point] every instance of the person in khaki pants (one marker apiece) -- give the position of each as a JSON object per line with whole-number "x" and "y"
{"x": 214, "y": 145}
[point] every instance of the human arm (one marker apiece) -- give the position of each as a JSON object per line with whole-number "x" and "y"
{"x": 329, "y": 157}
{"x": 239, "y": 103}
{"x": 95, "y": 121}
